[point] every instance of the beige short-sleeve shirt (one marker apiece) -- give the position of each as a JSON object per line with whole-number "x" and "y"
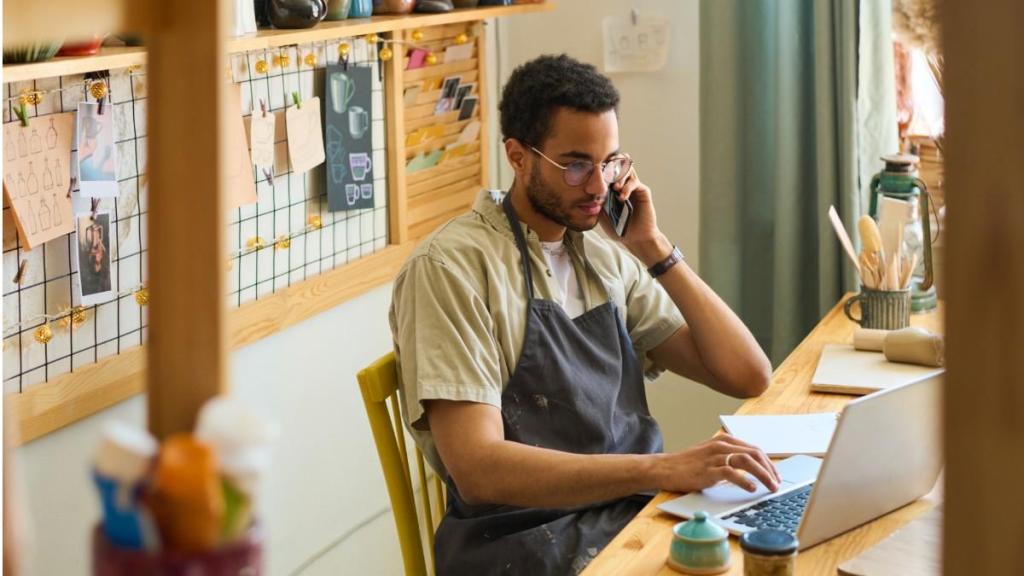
{"x": 458, "y": 314}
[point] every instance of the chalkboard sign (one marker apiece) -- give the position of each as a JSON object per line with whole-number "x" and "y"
{"x": 349, "y": 137}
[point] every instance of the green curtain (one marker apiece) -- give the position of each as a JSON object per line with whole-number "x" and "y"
{"x": 779, "y": 145}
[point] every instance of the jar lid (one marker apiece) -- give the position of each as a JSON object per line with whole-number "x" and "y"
{"x": 700, "y": 528}
{"x": 769, "y": 542}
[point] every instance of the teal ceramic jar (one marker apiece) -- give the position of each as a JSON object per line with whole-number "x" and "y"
{"x": 699, "y": 546}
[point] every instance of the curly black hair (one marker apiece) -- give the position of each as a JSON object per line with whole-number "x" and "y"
{"x": 537, "y": 88}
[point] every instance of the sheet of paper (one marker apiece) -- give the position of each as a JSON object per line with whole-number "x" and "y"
{"x": 469, "y": 133}
{"x": 635, "y": 47}
{"x": 305, "y": 136}
{"x": 410, "y": 94}
{"x": 784, "y": 435}
{"x": 416, "y": 59}
{"x": 97, "y": 153}
{"x": 37, "y": 176}
{"x": 458, "y": 52}
{"x": 845, "y": 370}
{"x": 262, "y": 130}
{"x": 240, "y": 186}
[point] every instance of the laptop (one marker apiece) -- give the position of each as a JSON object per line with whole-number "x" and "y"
{"x": 885, "y": 453}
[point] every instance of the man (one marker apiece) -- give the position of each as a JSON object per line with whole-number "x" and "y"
{"x": 523, "y": 338}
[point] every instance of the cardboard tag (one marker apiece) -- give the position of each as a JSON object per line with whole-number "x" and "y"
{"x": 305, "y": 136}
{"x": 37, "y": 176}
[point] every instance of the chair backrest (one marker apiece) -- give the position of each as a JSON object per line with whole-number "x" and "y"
{"x": 378, "y": 383}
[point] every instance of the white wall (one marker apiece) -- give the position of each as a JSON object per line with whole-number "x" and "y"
{"x": 658, "y": 126}
{"x": 326, "y": 481}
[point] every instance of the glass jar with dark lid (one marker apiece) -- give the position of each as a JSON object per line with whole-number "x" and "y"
{"x": 769, "y": 553}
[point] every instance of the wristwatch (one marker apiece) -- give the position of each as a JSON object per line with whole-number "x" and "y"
{"x": 661, "y": 267}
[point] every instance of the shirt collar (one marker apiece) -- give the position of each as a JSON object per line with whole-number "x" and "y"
{"x": 488, "y": 205}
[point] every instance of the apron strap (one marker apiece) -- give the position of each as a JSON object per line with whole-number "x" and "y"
{"x": 517, "y": 231}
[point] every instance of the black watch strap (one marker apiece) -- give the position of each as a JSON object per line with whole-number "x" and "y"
{"x": 661, "y": 267}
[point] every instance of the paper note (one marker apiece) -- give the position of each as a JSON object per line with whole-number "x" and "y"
{"x": 37, "y": 176}
{"x": 305, "y": 139}
{"x": 410, "y": 94}
{"x": 97, "y": 154}
{"x": 458, "y": 52}
{"x": 240, "y": 186}
{"x": 469, "y": 133}
{"x": 262, "y": 130}
{"x": 424, "y": 161}
{"x": 635, "y": 47}
{"x": 784, "y": 435}
{"x": 416, "y": 58}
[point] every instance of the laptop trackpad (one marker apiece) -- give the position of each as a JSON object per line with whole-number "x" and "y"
{"x": 725, "y": 496}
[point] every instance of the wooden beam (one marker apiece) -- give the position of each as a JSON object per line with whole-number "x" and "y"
{"x": 394, "y": 110}
{"x": 984, "y": 425}
{"x": 107, "y": 59}
{"x": 187, "y": 351}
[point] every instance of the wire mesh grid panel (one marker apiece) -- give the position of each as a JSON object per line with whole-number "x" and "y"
{"x": 46, "y": 286}
{"x": 293, "y": 206}
{"x": 290, "y": 206}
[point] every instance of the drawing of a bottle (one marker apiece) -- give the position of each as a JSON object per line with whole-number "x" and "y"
{"x": 12, "y": 154}
{"x": 33, "y": 182}
{"x": 47, "y": 175}
{"x": 57, "y": 220}
{"x": 60, "y": 172}
{"x": 36, "y": 142}
{"x": 22, "y": 144}
{"x": 44, "y": 214}
{"x": 30, "y": 217}
{"x": 51, "y": 136}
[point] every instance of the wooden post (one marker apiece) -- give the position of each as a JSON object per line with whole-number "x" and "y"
{"x": 187, "y": 65}
{"x": 984, "y": 426}
{"x": 394, "y": 108}
{"x": 484, "y": 104}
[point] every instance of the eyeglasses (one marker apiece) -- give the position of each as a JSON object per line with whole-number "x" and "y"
{"x": 578, "y": 172}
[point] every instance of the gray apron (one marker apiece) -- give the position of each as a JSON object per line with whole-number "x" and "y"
{"x": 578, "y": 387}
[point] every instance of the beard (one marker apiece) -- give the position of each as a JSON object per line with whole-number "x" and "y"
{"x": 547, "y": 203}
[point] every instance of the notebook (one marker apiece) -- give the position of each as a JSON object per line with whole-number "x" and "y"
{"x": 844, "y": 370}
{"x": 784, "y": 435}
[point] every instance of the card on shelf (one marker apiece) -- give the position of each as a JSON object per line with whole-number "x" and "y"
{"x": 468, "y": 105}
{"x": 417, "y": 57}
{"x": 458, "y": 52}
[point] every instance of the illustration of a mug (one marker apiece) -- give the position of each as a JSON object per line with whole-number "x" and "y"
{"x": 351, "y": 193}
{"x": 338, "y": 172}
{"x": 358, "y": 121}
{"x": 361, "y": 165}
{"x": 367, "y": 190}
{"x": 342, "y": 89}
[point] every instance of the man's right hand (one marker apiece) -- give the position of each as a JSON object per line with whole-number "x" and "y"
{"x": 704, "y": 465}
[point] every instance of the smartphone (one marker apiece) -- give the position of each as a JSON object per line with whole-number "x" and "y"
{"x": 618, "y": 211}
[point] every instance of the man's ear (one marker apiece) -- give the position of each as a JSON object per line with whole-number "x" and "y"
{"x": 516, "y": 154}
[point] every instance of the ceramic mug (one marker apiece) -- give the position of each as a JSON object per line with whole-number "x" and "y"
{"x": 361, "y": 9}
{"x": 358, "y": 121}
{"x": 361, "y": 165}
{"x": 881, "y": 309}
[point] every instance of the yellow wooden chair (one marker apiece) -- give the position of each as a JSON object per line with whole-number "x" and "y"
{"x": 379, "y": 385}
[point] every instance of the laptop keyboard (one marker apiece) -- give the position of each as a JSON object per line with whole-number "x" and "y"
{"x": 781, "y": 513}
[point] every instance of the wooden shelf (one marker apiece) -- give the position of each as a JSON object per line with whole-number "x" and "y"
{"x": 114, "y": 57}
{"x": 108, "y": 58}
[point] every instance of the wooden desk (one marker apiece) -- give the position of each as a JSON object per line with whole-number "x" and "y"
{"x": 642, "y": 547}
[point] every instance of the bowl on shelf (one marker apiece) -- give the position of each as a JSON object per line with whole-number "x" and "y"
{"x": 38, "y": 52}
{"x": 393, "y": 6}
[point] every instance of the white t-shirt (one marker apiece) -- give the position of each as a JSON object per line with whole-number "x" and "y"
{"x": 560, "y": 262}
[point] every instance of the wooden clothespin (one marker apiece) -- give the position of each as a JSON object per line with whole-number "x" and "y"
{"x": 297, "y": 99}
{"x": 263, "y": 107}
{"x": 20, "y": 276}
{"x": 71, "y": 186}
{"x": 95, "y": 207}
{"x": 634, "y": 15}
